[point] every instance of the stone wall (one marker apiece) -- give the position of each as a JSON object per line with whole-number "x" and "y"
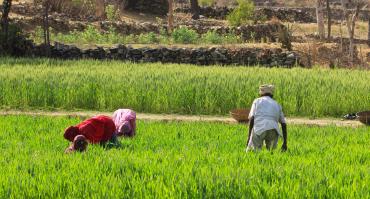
{"x": 249, "y": 32}
{"x": 147, "y": 6}
{"x": 59, "y": 24}
{"x": 199, "y": 56}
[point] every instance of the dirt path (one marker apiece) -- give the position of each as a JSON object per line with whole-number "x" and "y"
{"x": 188, "y": 118}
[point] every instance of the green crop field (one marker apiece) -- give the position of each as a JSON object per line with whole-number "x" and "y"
{"x": 187, "y": 160}
{"x": 172, "y": 88}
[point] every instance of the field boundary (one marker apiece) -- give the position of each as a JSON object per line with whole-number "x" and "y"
{"x": 186, "y": 118}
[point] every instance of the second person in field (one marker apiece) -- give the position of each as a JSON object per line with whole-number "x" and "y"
{"x": 125, "y": 122}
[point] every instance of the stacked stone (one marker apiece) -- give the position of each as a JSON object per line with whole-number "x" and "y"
{"x": 286, "y": 14}
{"x": 148, "y": 6}
{"x": 250, "y": 32}
{"x": 274, "y": 57}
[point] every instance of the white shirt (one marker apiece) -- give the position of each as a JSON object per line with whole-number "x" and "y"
{"x": 267, "y": 113}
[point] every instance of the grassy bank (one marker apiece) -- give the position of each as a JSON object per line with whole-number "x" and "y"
{"x": 172, "y": 88}
{"x": 181, "y": 160}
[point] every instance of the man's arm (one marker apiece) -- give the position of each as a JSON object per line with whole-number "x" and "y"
{"x": 251, "y": 124}
{"x": 284, "y": 147}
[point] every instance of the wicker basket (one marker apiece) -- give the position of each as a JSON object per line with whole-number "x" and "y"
{"x": 240, "y": 115}
{"x": 364, "y": 117}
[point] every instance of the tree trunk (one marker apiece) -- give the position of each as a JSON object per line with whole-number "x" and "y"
{"x": 351, "y": 23}
{"x": 170, "y": 16}
{"x": 328, "y": 9}
{"x": 368, "y": 31}
{"x": 195, "y": 9}
{"x": 320, "y": 18}
{"x": 46, "y": 23}
{"x": 100, "y": 9}
{"x": 7, "y": 4}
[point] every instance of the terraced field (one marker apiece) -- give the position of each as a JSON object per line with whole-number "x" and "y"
{"x": 188, "y": 160}
{"x": 181, "y": 89}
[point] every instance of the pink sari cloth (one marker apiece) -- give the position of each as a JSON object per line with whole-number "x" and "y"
{"x": 125, "y": 116}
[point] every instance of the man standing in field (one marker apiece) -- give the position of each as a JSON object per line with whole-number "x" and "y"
{"x": 264, "y": 117}
{"x": 125, "y": 122}
{"x": 98, "y": 129}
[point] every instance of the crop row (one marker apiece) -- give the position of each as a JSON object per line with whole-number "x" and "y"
{"x": 181, "y": 160}
{"x": 172, "y": 88}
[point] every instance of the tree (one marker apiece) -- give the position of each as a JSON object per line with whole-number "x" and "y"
{"x": 242, "y": 14}
{"x": 351, "y": 9}
{"x": 195, "y": 9}
{"x": 46, "y": 6}
{"x": 328, "y": 10}
{"x": 100, "y": 9}
{"x": 7, "y": 4}
{"x": 320, "y": 18}
{"x": 368, "y": 31}
{"x": 170, "y": 16}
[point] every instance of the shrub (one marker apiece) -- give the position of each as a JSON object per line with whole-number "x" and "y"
{"x": 148, "y": 38}
{"x": 113, "y": 37}
{"x": 242, "y": 14}
{"x": 15, "y": 43}
{"x": 212, "y": 37}
{"x": 232, "y": 38}
{"x": 38, "y": 35}
{"x": 184, "y": 35}
{"x": 91, "y": 34}
{"x": 129, "y": 39}
{"x": 112, "y": 13}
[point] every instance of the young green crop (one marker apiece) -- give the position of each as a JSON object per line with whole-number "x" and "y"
{"x": 173, "y": 88}
{"x": 181, "y": 160}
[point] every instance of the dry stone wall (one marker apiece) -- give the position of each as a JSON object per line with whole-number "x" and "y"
{"x": 147, "y": 6}
{"x": 199, "y": 56}
{"x": 249, "y": 32}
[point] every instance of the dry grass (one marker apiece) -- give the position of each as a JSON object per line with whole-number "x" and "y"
{"x": 297, "y": 3}
{"x": 302, "y": 29}
{"x": 330, "y": 54}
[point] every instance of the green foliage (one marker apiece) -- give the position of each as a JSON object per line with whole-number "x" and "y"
{"x": 242, "y": 14}
{"x": 180, "y": 36}
{"x": 172, "y": 88}
{"x": 130, "y": 39}
{"x": 15, "y": 42}
{"x": 113, "y": 14}
{"x": 185, "y": 36}
{"x": 212, "y": 37}
{"x": 207, "y": 2}
{"x": 173, "y": 160}
{"x": 113, "y": 37}
{"x": 89, "y": 36}
{"x": 148, "y": 38}
{"x": 38, "y": 35}
{"x": 232, "y": 38}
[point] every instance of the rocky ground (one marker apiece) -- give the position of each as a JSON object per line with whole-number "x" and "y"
{"x": 299, "y": 21}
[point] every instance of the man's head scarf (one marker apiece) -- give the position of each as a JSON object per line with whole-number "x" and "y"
{"x": 267, "y": 89}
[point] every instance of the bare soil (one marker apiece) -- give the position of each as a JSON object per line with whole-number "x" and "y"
{"x": 186, "y": 118}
